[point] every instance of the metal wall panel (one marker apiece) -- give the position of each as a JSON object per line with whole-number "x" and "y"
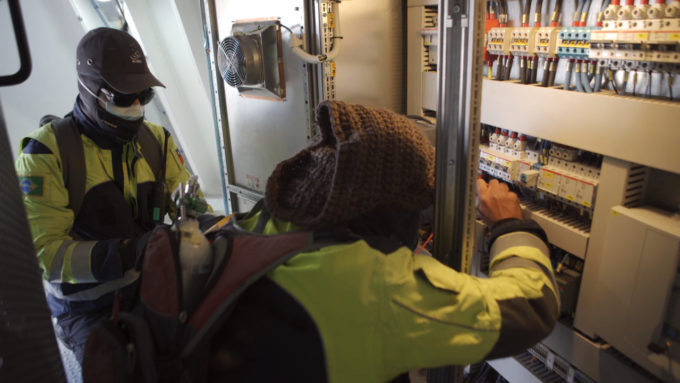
{"x": 370, "y": 63}
{"x": 264, "y": 132}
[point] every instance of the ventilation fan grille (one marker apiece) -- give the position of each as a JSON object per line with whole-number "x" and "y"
{"x": 232, "y": 62}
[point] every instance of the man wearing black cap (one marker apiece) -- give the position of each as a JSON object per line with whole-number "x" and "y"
{"x": 87, "y": 240}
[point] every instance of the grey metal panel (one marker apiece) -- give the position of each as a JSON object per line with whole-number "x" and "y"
{"x": 613, "y": 183}
{"x": 644, "y": 245}
{"x": 369, "y": 66}
{"x": 264, "y": 132}
{"x": 594, "y": 359}
{"x": 28, "y": 348}
{"x": 513, "y": 371}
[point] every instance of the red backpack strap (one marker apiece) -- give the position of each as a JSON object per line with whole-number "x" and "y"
{"x": 160, "y": 293}
{"x": 250, "y": 258}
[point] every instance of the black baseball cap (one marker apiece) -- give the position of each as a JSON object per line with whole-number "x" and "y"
{"x": 117, "y": 58}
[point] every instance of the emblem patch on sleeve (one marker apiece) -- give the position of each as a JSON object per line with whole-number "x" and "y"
{"x": 31, "y": 186}
{"x": 181, "y": 157}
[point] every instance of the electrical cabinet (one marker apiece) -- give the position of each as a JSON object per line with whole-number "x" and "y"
{"x": 619, "y": 306}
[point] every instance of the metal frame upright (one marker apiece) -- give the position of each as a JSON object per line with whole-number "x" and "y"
{"x": 461, "y": 41}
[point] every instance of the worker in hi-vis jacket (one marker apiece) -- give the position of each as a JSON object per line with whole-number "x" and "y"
{"x": 368, "y": 308}
{"x": 87, "y": 236}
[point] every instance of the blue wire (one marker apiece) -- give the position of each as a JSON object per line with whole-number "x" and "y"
{"x": 577, "y": 78}
{"x": 579, "y": 9}
{"x": 598, "y": 82}
{"x": 567, "y": 77}
{"x": 584, "y": 80}
{"x": 586, "y": 8}
{"x": 605, "y": 4}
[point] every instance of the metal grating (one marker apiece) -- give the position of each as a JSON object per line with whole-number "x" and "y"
{"x": 578, "y": 223}
{"x": 636, "y": 186}
{"x": 28, "y": 347}
{"x": 549, "y": 367}
{"x": 232, "y": 62}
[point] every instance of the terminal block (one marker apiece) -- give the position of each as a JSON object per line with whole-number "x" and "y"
{"x": 664, "y": 43}
{"x": 523, "y": 41}
{"x": 574, "y": 42}
{"x": 620, "y": 49}
{"x": 563, "y": 152}
{"x": 488, "y": 25}
{"x": 602, "y": 44}
{"x": 639, "y": 44}
{"x": 546, "y": 41}
{"x": 498, "y": 41}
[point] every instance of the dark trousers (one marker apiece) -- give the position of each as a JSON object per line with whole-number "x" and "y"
{"x": 73, "y": 330}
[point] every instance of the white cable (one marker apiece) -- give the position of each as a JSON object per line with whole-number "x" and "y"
{"x": 297, "y": 44}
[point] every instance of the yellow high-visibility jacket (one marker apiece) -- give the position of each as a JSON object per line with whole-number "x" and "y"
{"x": 378, "y": 315}
{"x": 80, "y": 256}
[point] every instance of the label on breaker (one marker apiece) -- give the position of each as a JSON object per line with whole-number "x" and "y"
{"x": 549, "y": 181}
{"x": 568, "y": 188}
{"x": 585, "y": 192}
{"x": 500, "y": 166}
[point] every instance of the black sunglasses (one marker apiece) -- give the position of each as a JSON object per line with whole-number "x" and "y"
{"x": 121, "y": 99}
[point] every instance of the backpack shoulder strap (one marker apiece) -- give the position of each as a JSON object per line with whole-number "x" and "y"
{"x": 72, "y": 160}
{"x": 153, "y": 153}
{"x": 250, "y": 258}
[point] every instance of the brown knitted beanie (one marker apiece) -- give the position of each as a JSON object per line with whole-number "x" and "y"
{"x": 362, "y": 159}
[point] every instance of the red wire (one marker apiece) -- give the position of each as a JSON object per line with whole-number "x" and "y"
{"x": 425, "y": 243}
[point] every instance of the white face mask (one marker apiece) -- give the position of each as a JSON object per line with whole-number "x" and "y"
{"x": 131, "y": 113}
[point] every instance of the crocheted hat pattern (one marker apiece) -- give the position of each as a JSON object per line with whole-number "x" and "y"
{"x": 361, "y": 159}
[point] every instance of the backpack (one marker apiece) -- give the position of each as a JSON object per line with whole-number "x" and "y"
{"x": 160, "y": 340}
{"x": 73, "y": 160}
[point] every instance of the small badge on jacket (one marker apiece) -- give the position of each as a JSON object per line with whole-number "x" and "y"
{"x": 31, "y": 186}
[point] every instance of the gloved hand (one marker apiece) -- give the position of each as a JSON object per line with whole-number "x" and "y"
{"x": 131, "y": 250}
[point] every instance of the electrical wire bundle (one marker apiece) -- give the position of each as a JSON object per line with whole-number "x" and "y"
{"x": 525, "y": 62}
{"x": 491, "y": 20}
{"x": 550, "y": 63}
{"x": 504, "y": 61}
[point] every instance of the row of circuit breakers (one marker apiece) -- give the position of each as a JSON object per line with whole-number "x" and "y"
{"x": 642, "y": 37}
{"x": 560, "y": 175}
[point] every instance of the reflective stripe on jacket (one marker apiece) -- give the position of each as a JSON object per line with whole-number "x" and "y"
{"x": 79, "y": 255}
{"x": 380, "y": 315}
